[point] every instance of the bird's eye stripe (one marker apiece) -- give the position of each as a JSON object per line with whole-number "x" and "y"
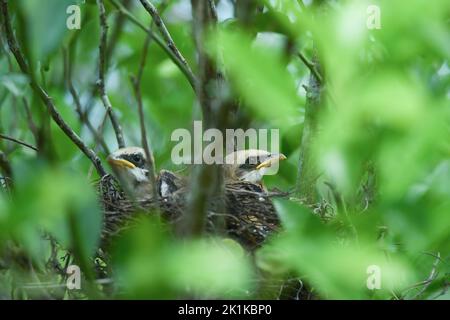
{"x": 136, "y": 159}
{"x": 256, "y": 160}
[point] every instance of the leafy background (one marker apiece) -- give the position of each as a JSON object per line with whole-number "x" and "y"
{"x": 385, "y": 106}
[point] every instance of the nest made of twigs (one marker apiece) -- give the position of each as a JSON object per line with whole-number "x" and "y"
{"x": 248, "y": 215}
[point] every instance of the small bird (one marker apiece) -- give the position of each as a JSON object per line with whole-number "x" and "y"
{"x": 250, "y": 165}
{"x": 239, "y": 166}
{"x": 129, "y": 165}
{"x": 252, "y": 216}
{"x": 168, "y": 183}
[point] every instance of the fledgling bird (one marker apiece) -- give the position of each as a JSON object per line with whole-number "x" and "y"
{"x": 250, "y": 165}
{"x": 239, "y": 166}
{"x": 129, "y": 164}
{"x": 246, "y": 200}
{"x": 168, "y": 183}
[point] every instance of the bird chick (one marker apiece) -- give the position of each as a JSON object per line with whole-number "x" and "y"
{"x": 250, "y": 165}
{"x": 129, "y": 165}
{"x": 168, "y": 183}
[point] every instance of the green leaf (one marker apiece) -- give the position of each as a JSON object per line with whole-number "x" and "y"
{"x": 44, "y": 200}
{"x": 45, "y": 23}
{"x": 153, "y": 264}
{"x": 336, "y": 267}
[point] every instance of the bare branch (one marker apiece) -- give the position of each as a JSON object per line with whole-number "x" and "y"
{"x": 151, "y": 9}
{"x": 213, "y": 10}
{"x": 5, "y": 166}
{"x": 311, "y": 66}
{"x": 101, "y": 75}
{"x": 184, "y": 68}
{"x": 48, "y": 101}
{"x": 207, "y": 180}
{"x": 5, "y": 137}
{"x": 117, "y": 26}
{"x": 30, "y": 121}
{"x": 136, "y": 81}
{"x": 82, "y": 116}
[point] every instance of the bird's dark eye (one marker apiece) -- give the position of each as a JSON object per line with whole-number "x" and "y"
{"x": 249, "y": 163}
{"x": 137, "y": 159}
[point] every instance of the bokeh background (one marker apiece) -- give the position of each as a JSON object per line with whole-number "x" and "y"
{"x": 381, "y": 148}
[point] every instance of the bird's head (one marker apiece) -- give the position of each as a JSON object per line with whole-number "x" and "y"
{"x": 250, "y": 165}
{"x": 129, "y": 164}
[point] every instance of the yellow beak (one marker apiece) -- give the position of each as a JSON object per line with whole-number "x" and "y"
{"x": 268, "y": 162}
{"x": 120, "y": 163}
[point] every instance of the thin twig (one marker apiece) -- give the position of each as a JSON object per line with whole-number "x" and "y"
{"x": 213, "y": 10}
{"x": 185, "y": 69}
{"x": 136, "y": 81}
{"x": 48, "y": 101}
{"x": 99, "y": 130}
{"x": 30, "y": 121}
{"x": 311, "y": 66}
{"x": 76, "y": 99}
{"x": 5, "y": 137}
{"x": 5, "y": 167}
{"x": 101, "y": 75}
{"x": 117, "y": 26}
{"x": 151, "y": 9}
{"x": 433, "y": 274}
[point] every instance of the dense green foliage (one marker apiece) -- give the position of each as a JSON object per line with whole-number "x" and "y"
{"x": 381, "y": 148}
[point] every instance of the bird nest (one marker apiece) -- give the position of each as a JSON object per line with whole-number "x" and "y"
{"x": 246, "y": 215}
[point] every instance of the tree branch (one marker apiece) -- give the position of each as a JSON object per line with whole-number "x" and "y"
{"x": 213, "y": 9}
{"x": 5, "y": 166}
{"x": 207, "y": 180}
{"x": 82, "y": 116}
{"x": 307, "y": 173}
{"x": 101, "y": 75}
{"x": 117, "y": 25}
{"x": 56, "y": 116}
{"x": 5, "y": 137}
{"x": 151, "y": 9}
{"x": 112, "y": 43}
{"x": 311, "y": 66}
{"x": 136, "y": 81}
{"x": 30, "y": 121}
{"x": 185, "y": 69}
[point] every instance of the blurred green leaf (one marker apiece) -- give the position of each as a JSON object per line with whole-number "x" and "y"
{"x": 336, "y": 268}
{"x": 258, "y": 75}
{"x": 45, "y": 23}
{"x": 154, "y": 265}
{"x": 15, "y": 83}
{"x": 55, "y": 194}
